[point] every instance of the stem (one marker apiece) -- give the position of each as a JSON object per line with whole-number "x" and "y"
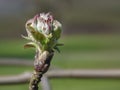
{"x": 41, "y": 66}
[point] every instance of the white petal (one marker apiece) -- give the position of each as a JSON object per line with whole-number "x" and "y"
{"x": 39, "y": 25}
{"x": 56, "y": 25}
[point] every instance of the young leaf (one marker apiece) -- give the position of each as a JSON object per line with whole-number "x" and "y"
{"x": 25, "y": 37}
{"x": 57, "y": 49}
{"x": 37, "y": 35}
{"x": 30, "y": 44}
{"x": 59, "y": 44}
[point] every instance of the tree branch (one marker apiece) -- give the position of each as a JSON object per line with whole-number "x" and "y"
{"x": 41, "y": 66}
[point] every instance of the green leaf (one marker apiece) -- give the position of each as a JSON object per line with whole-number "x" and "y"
{"x": 57, "y": 49}
{"x": 37, "y": 35}
{"x": 59, "y": 44}
{"x": 25, "y": 37}
{"x": 29, "y": 45}
{"x": 57, "y": 33}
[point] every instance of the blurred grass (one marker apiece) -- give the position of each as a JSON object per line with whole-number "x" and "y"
{"x": 81, "y": 52}
{"x": 12, "y": 70}
{"x": 14, "y": 87}
{"x": 85, "y": 84}
{"x": 79, "y": 43}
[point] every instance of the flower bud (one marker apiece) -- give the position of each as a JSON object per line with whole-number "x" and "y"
{"x": 44, "y": 29}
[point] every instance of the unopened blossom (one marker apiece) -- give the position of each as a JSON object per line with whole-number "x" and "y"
{"x": 44, "y": 31}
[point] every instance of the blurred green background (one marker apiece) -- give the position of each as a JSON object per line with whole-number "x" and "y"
{"x": 91, "y": 38}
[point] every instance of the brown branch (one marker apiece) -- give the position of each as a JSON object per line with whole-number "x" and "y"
{"x": 23, "y": 78}
{"x": 17, "y": 62}
{"x": 41, "y": 66}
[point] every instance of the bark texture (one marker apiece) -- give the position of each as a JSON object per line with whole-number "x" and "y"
{"x": 41, "y": 66}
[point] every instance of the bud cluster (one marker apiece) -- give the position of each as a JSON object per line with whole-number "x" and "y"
{"x": 44, "y": 32}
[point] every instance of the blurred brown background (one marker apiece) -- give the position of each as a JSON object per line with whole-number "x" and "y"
{"x": 77, "y": 16}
